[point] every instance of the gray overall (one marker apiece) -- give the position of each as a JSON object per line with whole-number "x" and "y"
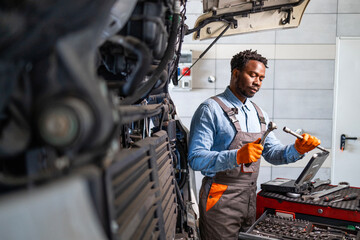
{"x": 228, "y": 200}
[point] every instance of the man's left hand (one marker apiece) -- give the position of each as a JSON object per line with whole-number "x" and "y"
{"x": 306, "y": 144}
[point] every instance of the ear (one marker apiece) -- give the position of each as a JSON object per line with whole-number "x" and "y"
{"x": 235, "y": 73}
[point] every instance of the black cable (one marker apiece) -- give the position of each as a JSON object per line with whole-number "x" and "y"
{"x": 131, "y": 113}
{"x": 207, "y": 49}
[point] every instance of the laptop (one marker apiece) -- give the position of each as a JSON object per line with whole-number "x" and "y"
{"x": 303, "y": 182}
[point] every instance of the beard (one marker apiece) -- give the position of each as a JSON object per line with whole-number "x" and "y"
{"x": 244, "y": 93}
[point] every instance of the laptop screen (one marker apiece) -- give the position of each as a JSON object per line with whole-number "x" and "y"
{"x": 312, "y": 167}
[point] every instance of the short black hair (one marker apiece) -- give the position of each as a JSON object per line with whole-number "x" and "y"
{"x": 239, "y": 60}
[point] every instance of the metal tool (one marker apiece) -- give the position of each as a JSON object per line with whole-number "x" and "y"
{"x": 317, "y": 195}
{"x": 317, "y": 182}
{"x": 351, "y": 196}
{"x": 271, "y": 126}
{"x": 287, "y": 130}
{"x": 293, "y": 195}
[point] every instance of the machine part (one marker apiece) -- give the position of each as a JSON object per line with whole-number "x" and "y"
{"x": 211, "y": 79}
{"x": 317, "y": 195}
{"x": 271, "y": 126}
{"x": 144, "y": 90}
{"x": 250, "y": 16}
{"x": 317, "y": 182}
{"x": 65, "y": 123}
{"x": 287, "y": 130}
{"x": 118, "y": 17}
{"x": 293, "y": 195}
{"x": 138, "y": 72}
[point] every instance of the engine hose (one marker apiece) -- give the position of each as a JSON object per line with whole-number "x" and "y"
{"x": 162, "y": 78}
{"x": 143, "y": 61}
{"x": 183, "y": 164}
{"x": 168, "y": 55}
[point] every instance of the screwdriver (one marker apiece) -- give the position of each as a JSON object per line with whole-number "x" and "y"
{"x": 330, "y": 198}
{"x": 346, "y": 198}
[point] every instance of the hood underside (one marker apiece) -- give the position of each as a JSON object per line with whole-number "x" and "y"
{"x": 247, "y": 16}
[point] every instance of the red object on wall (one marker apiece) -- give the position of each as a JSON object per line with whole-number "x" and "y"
{"x": 186, "y": 73}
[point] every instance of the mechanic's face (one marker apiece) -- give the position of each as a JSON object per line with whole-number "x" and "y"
{"x": 244, "y": 84}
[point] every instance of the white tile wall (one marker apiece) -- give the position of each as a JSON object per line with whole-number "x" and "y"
{"x": 293, "y": 173}
{"x": 198, "y": 49}
{"x": 346, "y": 26}
{"x": 186, "y": 102}
{"x": 320, "y": 128}
{"x": 298, "y": 89}
{"x": 265, "y": 99}
{"x": 194, "y": 7}
{"x": 227, "y": 51}
{"x": 303, "y": 104}
{"x": 264, "y": 37}
{"x": 223, "y": 74}
{"x": 349, "y": 6}
{"x": 314, "y": 29}
{"x": 304, "y": 74}
{"x": 201, "y": 72}
{"x": 317, "y": 52}
{"x": 322, "y": 6}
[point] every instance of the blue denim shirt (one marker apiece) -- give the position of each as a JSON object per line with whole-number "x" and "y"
{"x": 211, "y": 134}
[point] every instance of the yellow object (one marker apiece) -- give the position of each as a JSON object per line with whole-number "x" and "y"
{"x": 250, "y": 152}
{"x": 306, "y": 144}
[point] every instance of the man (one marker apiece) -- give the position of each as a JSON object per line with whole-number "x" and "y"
{"x": 225, "y": 146}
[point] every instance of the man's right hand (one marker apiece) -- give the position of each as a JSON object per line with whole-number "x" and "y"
{"x": 250, "y": 152}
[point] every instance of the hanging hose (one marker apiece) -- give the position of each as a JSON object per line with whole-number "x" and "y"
{"x": 139, "y": 72}
{"x": 169, "y": 53}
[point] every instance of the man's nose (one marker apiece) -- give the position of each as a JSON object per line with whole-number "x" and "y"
{"x": 257, "y": 81}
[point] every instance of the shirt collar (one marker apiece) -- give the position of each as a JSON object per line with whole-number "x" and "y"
{"x": 232, "y": 98}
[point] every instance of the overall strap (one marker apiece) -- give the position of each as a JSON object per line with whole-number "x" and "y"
{"x": 230, "y": 112}
{"x": 261, "y": 117}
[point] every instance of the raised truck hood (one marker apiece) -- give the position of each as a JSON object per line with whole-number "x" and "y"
{"x": 247, "y": 16}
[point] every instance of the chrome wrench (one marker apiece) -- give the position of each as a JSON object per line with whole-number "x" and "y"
{"x": 287, "y": 130}
{"x": 271, "y": 126}
{"x": 317, "y": 182}
{"x": 317, "y": 195}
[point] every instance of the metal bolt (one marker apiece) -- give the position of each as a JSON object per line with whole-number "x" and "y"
{"x": 62, "y": 163}
{"x": 114, "y": 226}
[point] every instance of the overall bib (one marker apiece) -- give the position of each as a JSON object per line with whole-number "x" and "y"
{"x": 228, "y": 200}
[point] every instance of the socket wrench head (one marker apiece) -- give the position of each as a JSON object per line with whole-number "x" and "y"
{"x": 271, "y": 126}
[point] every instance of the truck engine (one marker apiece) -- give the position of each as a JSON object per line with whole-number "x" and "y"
{"x": 85, "y": 109}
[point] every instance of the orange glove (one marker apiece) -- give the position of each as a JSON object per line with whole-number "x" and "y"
{"x": 250, "y": 152}
{"x": 306, "y": 144}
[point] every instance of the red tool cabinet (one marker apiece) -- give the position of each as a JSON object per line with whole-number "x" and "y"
{"x": 343, "y": 213}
